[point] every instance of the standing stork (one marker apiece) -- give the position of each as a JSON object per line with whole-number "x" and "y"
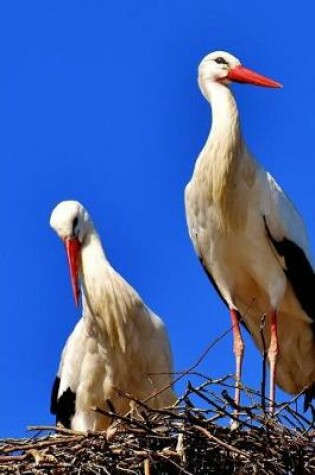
{"x": 249, "y": 237}
{"x": 119, "y": 344}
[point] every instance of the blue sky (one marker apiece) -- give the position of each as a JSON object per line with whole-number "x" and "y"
{"x": 99, "y": 103}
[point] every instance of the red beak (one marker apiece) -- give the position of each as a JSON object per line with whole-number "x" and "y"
{"x": 73, "y": 248}
{"x": 247, "y": 76}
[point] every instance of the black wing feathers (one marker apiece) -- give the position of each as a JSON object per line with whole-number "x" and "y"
{"x": 64, "y": 407}
{"x": 54, "y": 396}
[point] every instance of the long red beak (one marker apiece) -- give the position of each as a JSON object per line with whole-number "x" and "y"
{"x": 247, "y": 76}
{"x": 73, "y": 248}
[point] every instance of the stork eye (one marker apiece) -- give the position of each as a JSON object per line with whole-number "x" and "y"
{"x": 220, "y": 60}
{"x": 75, "y": 223}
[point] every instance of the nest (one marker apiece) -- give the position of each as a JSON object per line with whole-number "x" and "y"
{"x": 204, "y": 433}
{"x": 195, "y": 437}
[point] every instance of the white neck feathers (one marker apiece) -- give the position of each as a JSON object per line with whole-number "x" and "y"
{"x": 219, "y": 160}
{"x": 107, "y": 299}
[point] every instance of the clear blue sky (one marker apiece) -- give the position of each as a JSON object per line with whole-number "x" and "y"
{"x": 99, "y": 103}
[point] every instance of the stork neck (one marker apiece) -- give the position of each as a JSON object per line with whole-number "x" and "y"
{"x": 220, "y": 157}
{"x": 93, "y": 271}
{"x": 104, "y": 296}
{"x": 93, "y": 259}
{"x": 225, "y": 130}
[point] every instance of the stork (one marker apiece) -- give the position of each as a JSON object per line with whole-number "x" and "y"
{"x": 250, "y": 238}
{"x": 118, "y": 346}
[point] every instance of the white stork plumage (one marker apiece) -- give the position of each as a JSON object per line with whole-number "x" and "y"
{"x": 249, "y": 237}
{"x": 118, "y": 344}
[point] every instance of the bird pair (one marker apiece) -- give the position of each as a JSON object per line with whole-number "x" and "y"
{"x": 253, "y": 246}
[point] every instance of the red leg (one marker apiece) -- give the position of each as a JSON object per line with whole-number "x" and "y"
{"x": 273, "y": 356}
{"x": 238, "y": 348}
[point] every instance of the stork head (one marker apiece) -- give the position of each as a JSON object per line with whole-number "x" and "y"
{"x": 222, "y": 67}
{"x": 71, "y": 222}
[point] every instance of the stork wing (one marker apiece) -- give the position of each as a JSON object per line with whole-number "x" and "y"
{"x": 65, "y": 385}
{"x": 286, "y": 231}
{"x": 282, "y": 218}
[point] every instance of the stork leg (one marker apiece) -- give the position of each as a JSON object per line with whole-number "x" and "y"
{"x": 273, "y": 356}
{"x": 238, "y": 348}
